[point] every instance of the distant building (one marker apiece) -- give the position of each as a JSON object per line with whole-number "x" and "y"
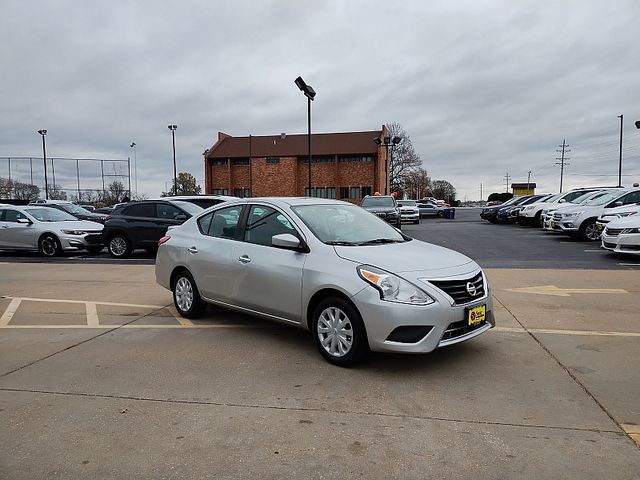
{"x": 345, "y": 166}
{"x": 523, "y": 189}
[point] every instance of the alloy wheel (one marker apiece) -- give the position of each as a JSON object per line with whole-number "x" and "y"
{"x": 184, "y": 294}
{"x": 335, "y": 332}
{"x": 48, "y": 246}
{"x": 591, "y": 232}
{"x": 118, "y": 246}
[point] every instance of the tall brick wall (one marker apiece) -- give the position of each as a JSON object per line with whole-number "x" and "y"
{"x": 273, "y": 180}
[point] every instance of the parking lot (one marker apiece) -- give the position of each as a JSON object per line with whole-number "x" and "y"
{"x": 99, "y": 377}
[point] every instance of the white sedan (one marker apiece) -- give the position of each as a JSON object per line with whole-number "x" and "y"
{"x": 622, "y": 235}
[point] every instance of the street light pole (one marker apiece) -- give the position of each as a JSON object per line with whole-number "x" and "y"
{"x": 621, "y": 117}
{"x": 387, "y": 142}
{"x": 135, "y": 166}
{"x": 175, "y": 175}
{"x": 310, "y": 93}
{"x": 44, "y": 159}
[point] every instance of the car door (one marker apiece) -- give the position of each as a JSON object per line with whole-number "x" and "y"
{"x": 14, "y": 234}
{"x": 211, "y": 253}
{"x": 139, "y": 223}
{"x": 269, "y": 279}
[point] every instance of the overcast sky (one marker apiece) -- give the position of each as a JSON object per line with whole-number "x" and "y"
{"x": 482, "y": 87}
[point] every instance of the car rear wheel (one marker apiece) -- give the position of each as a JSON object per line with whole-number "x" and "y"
{"x": 119, "y": 246}
{"x": 538, "y": 219}
{"x": 589, "y": 230}
{"x": 186, "y": 297}
{"x": 49, "y": 245}
{"x": 338, "y": 332}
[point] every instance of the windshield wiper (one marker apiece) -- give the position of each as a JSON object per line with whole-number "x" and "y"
{"x": 343, "y": 243}
{"x": 381, "y": 240}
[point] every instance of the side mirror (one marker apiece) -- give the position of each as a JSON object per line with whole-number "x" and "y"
{"x": 180, "y": 216}
{"x": 285, "y": 240}
{"x": 618, "y": 203}
{"x": 562, "y": 200}
{"x": 25, "y": 221}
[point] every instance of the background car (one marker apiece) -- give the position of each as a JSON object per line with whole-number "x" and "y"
{"x": 428, "y": 208}
{"x": 622, "y": 235}
{"x": 409, "y": 211}
{"x": 551, "y": 208}
{"x": 533, "y": 214}
{"x": 490, "y": 213}
{"x": 509, "y": 214}
{"x": 385, "y": 207}
{"x": 616, "y": 213}
{"x": 141, "y": 224}
{"x": 75, "y": 210}
{"x": 329, "y": 267}
{"x": 204, "y": 201}
{"x": 47, "y": 230}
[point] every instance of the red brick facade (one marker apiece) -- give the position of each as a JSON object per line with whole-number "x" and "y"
{"x": 345, "y": 166}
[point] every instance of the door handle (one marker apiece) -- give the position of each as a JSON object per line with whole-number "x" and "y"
{"x": 244, "y": 259}
{"x": 192, "y": 250}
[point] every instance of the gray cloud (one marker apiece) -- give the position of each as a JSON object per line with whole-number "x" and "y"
{"x": 482, "y": 87}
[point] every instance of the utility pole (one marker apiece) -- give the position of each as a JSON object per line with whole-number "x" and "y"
{"x": 621, "y": 117}
{"x": 506, "y": 179}
{"x": 480, "y": 191}
{"x": 528, "y": 180}
{"x": 563, "y": 160}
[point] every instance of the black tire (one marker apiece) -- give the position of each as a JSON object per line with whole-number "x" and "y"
{"x": 354, "y": 334}
{"x": 186, "y": 298}
{"x": 537, "y": 221}
{"x": 119, "y": 246}
{"x": 440, "y": 214}
{"x": 588, "y": 231}
{"x": 416, "y": 222}
{"x": 49, "y": 245}
{"x": 96, "y": 249}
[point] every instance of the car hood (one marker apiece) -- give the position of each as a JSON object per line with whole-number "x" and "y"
{"x": 76, "y": 225}
{"x": 627, "y": 222}
{"x": 413, "y": 256}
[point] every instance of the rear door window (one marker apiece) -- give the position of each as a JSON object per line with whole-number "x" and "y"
{"x": 145, "y": 210}
{"x": 13, "y": 216}
{"x": 224, "y": 223}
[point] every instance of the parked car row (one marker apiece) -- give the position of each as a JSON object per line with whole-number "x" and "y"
{"x": 54, "y": 226}
{"x": 607, "y": 214}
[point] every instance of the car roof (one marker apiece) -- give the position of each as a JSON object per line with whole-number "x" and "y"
{"x": 50, "y": 202}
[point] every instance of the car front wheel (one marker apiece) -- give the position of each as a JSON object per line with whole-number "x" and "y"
{"x": 119, "y": 246}
{"x": 339, "y": 332}
{"x": 186, "y": 297}
{"x": 49, "y": 245}
{"x": 589, "y": 231}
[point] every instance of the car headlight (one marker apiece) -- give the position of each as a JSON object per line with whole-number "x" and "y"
{"x": 625, "y": 214}
{"x": 631, "y": 230}
{"x": 393, "y": 288}
{"x": 74, "y": 232}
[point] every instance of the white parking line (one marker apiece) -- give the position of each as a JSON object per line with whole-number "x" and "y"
{"x": 10, "y": 310}
{"x": 92, "y": 315}
{"x": 113, "y": 304}
{"x": 629, "y": 264}
{"x": 591, "y": 333}
{"x": 130, "y": 325}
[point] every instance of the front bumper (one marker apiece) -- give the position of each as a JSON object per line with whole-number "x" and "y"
{"x": 381, "y": 318}
{"x": 80, "y": 242}
{"x": 622, "y": 243}
{"x": 409, "y": 217}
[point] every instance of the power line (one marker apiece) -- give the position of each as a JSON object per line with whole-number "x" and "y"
{"x": 562, "y": 160}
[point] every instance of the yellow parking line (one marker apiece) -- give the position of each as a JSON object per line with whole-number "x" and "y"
{"x": 633, "y": 431}
{"x": 113, "y": 304}
{"x": 185, "y": 322}
{"x": 8, "y": 313}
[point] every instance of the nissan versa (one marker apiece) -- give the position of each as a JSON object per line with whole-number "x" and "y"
{"x": 351, "y": 279}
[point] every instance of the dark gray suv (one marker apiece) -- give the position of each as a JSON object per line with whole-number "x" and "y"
{"x": 385, "y": 207}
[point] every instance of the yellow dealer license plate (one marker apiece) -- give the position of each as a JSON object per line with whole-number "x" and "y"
{"x": 476, "y": 315}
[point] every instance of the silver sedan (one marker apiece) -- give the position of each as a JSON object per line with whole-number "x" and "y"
{"x": 355, "y": 282}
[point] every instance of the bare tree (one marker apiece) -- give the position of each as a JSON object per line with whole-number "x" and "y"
{"x": 56, "y": 193}
{"x": 403, "y": 156}
{"x": 442, "y": 189}
{"x": 416, "y": 183}
{"x": 6, "y": 187}
{"x": 25, "y": 191}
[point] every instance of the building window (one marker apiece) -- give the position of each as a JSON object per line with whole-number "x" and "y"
{"x": 318, "y": 159}
{"x": 320, "y": 192}
{"x": 308, "y": 193}
{"x": 219, "y": 162}
{"x": 365, "y": 191}
{"x": 273, "y": 160}
{"x": 242, "y": 192}
{"x": 344, "y": 192}
{"x": 240, "y": 161}
{"x": 220, "y": 191}
{"x": 355, "y": 158}
{"x": 355, "y": 192}
{"x": 331, "y": 192}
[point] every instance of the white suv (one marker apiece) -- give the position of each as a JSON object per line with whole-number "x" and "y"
{"x": 532, "y": 214}
{"x": 548, "y": 212}
{"x": 580, "y": 220}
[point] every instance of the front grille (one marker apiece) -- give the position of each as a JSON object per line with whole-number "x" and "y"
{"x": 94, "y": 239}
{"x": 557, "y": 217}
{"x": 613, "y": 232}
{"x": 458, "y": 329}
{"x": 457, "y": 289}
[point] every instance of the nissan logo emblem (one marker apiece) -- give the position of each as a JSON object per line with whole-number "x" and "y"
{"x": 471, "y": 289}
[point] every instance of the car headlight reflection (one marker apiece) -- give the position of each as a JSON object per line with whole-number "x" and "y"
{"x": 631, "y": 230}
{"x": 393, "y": 288}
{"x": 74, "y": 232}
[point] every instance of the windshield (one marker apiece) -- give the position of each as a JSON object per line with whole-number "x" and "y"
{"x": 46, "y": 214}
{"x": 554, "y": 199}
{"x": 346, "y": 225}
{"x": 407, "y": 203}
{"x": 588, "y": 196}
{"x": 190, "y": 208}
{"x": 511, "y": 201}
{"x": 378, "y": 202}
{"x": 74, "y": 209}
{"x": 603, "y": 199}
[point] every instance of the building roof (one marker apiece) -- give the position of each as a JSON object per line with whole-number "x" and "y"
{"x": 523, "y": 185}
{"x": 294, "y": 145}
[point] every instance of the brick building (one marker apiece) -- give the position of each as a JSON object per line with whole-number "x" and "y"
{"x": 346, "y": 166}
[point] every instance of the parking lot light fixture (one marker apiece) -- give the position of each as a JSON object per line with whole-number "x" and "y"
{"x": 310, "y": 93}
{"x": 387, "y": 142}
{"x": 175, "y": 174}
{"x": 43, "y": 133}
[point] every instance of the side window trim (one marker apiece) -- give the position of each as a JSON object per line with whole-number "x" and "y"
{"x": 295, "y": 227}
